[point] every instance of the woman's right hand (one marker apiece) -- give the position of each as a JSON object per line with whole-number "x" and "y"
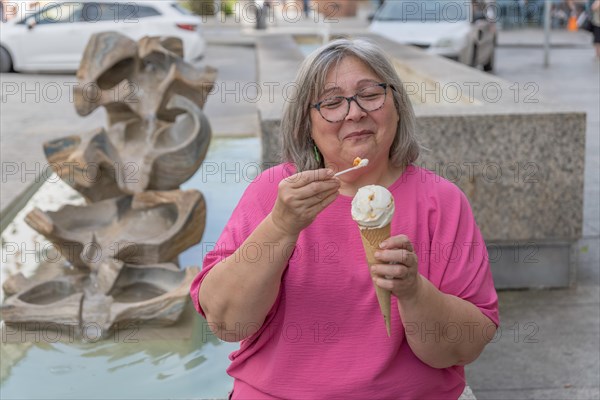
{"x": 301, "y": 197}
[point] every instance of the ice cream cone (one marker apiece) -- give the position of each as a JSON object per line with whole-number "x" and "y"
{"x": 371, "y": 239}
{"x": 373, "y": 209}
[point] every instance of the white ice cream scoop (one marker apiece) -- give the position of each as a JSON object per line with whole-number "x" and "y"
{"x": 373, "y": 207}
{"x": 363, "y": 163}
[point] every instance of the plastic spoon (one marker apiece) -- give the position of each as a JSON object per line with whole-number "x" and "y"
{"x": 363, "y": 163}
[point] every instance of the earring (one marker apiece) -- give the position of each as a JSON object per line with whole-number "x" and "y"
{"x": 317, "y": 154}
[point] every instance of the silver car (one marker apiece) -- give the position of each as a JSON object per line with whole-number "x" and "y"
{"x": 463, "y": 30}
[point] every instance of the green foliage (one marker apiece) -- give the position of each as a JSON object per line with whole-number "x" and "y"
{"x": 207, "y": 7}
{"x": 227, "y": 6}
{"x": 201, "y": 7}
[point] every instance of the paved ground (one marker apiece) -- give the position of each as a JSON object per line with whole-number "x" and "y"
{"x": 34, "y": 109}
{"x": 548, "y": 345}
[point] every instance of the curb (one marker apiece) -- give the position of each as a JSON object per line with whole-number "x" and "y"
{"x": 8, "y": 213}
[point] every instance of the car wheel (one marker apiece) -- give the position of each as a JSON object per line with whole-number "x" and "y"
{"x": 5, "y": 60}
{"x": 489, "y": 66}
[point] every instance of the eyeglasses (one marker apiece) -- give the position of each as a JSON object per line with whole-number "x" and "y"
{"x": 370, "y": 98}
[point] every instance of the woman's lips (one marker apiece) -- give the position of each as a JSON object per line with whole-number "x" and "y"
{"x": 358, "y": 134}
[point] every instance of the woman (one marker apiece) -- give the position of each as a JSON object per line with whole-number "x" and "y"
{"x": 289, "y": 276}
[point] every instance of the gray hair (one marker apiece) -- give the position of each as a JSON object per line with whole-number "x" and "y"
{"x": 297, "y": 143}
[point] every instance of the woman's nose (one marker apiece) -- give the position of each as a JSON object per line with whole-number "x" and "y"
{"x": 355, "y": 113}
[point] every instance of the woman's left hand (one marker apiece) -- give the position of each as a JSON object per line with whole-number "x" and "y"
{"x": 400, "y": 273}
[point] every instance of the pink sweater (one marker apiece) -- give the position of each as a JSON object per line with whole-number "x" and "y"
{"x": 324, "y": 337}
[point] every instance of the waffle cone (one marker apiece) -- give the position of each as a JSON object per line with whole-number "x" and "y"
{"x": 371, "y": 239}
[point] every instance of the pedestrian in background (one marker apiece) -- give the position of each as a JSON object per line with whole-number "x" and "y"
{"x": 595, "y": 9}
{"x": 306, "y": 4}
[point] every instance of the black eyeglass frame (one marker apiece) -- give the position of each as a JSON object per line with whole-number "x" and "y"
{"x": 353, "y": 98}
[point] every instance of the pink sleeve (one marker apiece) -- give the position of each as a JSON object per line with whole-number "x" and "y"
{"x": 459, "y": 258}
{"x": 253, "y": 207}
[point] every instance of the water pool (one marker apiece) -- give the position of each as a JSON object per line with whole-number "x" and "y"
{"x": 183, "y": 363}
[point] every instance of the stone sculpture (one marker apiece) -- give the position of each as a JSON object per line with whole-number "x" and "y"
{"x": 121, "y": 248}
{"x": 154, "y": 139}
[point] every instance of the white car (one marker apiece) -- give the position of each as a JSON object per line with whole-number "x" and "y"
{"x": 463, "y": 30}
{"x": 54, "y": 36}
